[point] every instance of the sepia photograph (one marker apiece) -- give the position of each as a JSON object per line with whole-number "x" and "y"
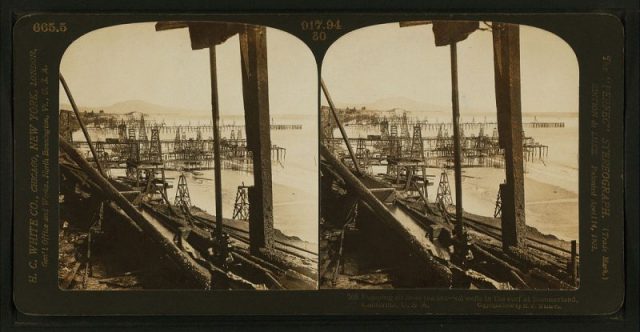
{"x": 449, "y": 158}
{"x": 188, "y": 159}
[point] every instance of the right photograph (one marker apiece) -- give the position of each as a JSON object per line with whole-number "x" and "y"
{"x": 449, "y": 158}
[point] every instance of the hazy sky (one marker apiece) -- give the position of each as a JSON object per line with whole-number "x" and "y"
{"x": 134, "y": 62}
{"x": 386, "y": 61}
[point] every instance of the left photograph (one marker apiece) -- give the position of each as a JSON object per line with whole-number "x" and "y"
{"x": 188, "y": 159}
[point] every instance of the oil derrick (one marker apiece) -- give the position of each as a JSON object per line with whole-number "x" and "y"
{"x": 495, "y": 139}
{"x": 198, "y": 151}
{"x": 404, "y": 126}
{"x": 395, "y": 148}
{"x": 154, "y": 155}
{"x": 239, "y": 134}
{"x": 232, "y": 136}
{"x": 480, "y": 146}
{"x": 384, "y": 128}
{"x": 199, "y": 138}
{"x": 441, "y": 142}
{"x": 132, "y": 153}
{"x": 463, "y": 145}
{"x": 154, "y": 182}
{"x": 177, "y": 145}
{"x": 122, "y": 131}
{"x": 101, "y": 156}
{"x": 153, "y": 168}
{"x": 417, "y": 145}
{"x": 182, "y": 199}
{"x": 480, "y": 142}
{"x": 384, "y": 135}
{"x": 360, "y": 149}
{"x": 443, "y": 197}
{"x": 361, "y": 154}
{"x": 439, "y": 139}
{"x": 134, "y": 147}
{"x": 151, "y": 186}
{"x": 142, "y": 136}
{"x": 404, "y": 133}
{"x": 394, "y": 152}
{"x": 131, "y": 134}
{"x": 241, "y": 206}
{"x": 497, "y": 212}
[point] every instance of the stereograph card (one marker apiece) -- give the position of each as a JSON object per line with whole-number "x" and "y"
{"x": 289, "y": 164}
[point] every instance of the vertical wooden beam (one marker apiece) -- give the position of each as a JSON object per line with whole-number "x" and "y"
{"x": 506, "y": 52}
{"x": 215, "y": 110}
{"x": 255, "y": 85}
{"x": 457, "y": 153}
{"x": 573, "y": 263}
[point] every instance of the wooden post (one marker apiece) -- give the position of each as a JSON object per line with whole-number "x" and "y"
{"x": 573, "y": 263}
{"x": 255, "y": 86}
{"x": 215, "y": 110}
{"x": 506, "y": 52}
{"x": 457, "y": 160}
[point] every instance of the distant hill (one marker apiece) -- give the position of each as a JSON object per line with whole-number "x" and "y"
{"x": 404, "y": 104}
{"x": 393, "y": 103}
{"x": 413, "y": 106}
{"x": 135, "y": 106}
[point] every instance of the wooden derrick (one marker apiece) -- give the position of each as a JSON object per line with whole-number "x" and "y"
{"x": 497, "y": 211}
{"x": 443, "y": 196}
{"x": 182, "y": 199}
{"x": 417, "y": 145}
{"x": 154, "y": 154}
{"x": 241, "y": 205}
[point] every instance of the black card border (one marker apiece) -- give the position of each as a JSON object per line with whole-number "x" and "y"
{"x": 630, "y": 19}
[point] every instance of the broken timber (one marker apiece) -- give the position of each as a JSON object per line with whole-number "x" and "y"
{"x": 387, "y": 218}
{"x": 200, "y": 275}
